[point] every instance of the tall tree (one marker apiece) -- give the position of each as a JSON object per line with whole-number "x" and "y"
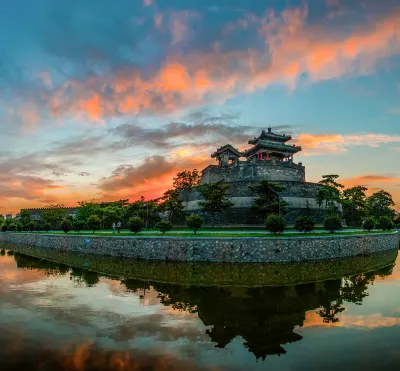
{"x": 381, "y": 204}
{"x": 86, "y": 209}
{"x": 329, "y": 193}
{"x": 171, "y": 203}
{"x": 187, "y": 179}
{"x": 25, "y": 216}
{"x": 215, "y": 198}
{"x": 354, "y": 202}
{"x": 268, "y": 200}
{"x": 53, "y": 214}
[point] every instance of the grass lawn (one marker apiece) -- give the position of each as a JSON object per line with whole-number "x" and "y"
{"x": 225, "y": 234}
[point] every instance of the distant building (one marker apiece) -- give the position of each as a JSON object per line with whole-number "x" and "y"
{"x": 36, "y": 213}
{"x": 9, "y": 216}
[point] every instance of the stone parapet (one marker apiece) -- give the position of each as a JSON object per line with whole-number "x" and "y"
{"x": 214, "y": 249}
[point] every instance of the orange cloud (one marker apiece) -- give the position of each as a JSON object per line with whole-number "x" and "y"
{"x": 292, "y": 48}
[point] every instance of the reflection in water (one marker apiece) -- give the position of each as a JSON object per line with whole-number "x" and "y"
{"x": 263, "y": 319}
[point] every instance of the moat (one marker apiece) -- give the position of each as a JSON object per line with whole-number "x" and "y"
{"x": 77, "y": 312}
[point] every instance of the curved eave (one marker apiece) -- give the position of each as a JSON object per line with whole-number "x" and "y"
{"x": 277, "y": 148}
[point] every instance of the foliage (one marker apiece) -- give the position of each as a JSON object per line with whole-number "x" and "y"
{"x": 381, "y": 204}
{"x": 31, "y": 226}
{"x": 146, "y": 210}
{"x": 187, "y": 179}
{"x": 110, "y": 214}
{"x": 354, "y": 202}
{"x": 25, "y": 216}
{"x": 268, "y": 201}
{"x": 333, "y": 223}
{"x": 194, "y": 222}
{"x": 4, "y": 227}
{"x": 164, "y": 226}
{"x": 9, "y": 221}
{"x": 47, "y": 227}
{"x": 12, "y": 227}
{"x": 305, "y": 224}
{"x": 385, "y": 223}
{"x": 135, "y": 224}
{"x": 93, "y": 223}
{"x": 330, "y": 181}
{"x": 87, "y": 209}
{"x": 275, "y": 223}
{"x": 215, "y": 195}
{"x": 19, "y": 226}
{"x": 78, "y": 225}
{"x": 171, "y": 203}
{"x": 53, "y": 214}
{"x": 66, "y": 225}
{"x": 369, "y": 223}
{"x": 329, "y": 193}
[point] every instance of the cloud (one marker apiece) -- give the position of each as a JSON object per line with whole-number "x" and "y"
{"x": 338, "y": 143}
{"x": 366, "y": 180}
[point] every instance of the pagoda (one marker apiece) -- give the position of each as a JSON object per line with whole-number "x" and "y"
{"x": 267, "y": 146}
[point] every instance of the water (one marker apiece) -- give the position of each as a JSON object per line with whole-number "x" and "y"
{"x": 163, "y": 316}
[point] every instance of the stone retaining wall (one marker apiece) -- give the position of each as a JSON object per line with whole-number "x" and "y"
{"x": 214, "y": 249}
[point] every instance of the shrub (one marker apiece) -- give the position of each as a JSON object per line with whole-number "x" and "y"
{"x": 369, "y": 224}
{"x": 66, "y": 225}
{"x": 12, "y": 227}
{"x": 194, "y": 222}
{"x": 94, "y": 223}
{"x": 135, "y": 224}
{"x": 4, "y": 227}
{"x": 275, "y": 224}
{"x": 305, "y": 224}
{"x": 25, "y": 227}
{"x": 19, "y": 226}
{"x": 164, "y": 226}
{"x": 333, "y": 223}
{"x": 47, "y": 227}
{"x": 31, "y": 226}
{"x": 385, "y": 223}
{"x": 78, "y": 225}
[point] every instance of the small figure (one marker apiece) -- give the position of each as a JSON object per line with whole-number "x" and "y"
{"x": 119, "y": 226}
{"x": 113, "y": 227}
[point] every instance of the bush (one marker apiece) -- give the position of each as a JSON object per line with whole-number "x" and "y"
{"x": 19, "y": 226}
{"x": 385, "y": 223}
{"x": 4, "y": 227}
{"x": 164, "y": 226}
{"x": 78, "y": 225}
{"x": 369, "y": 224}
{"x": 31, "y": 226}
{"x": 275, "y": 224}
{"x": 66, "y": 225}
{"x": 93, "y": 222}
{"x": 305, "y": 224}
{"x": 135, "y": 224}
{"x": 12, "y": 227}
{"x": 194, "y": 222}
{"x": 47, "y": 227}
{"x": 333, "y": 223}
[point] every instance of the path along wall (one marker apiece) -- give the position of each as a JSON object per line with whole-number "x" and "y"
{"x": 214, "y": 249}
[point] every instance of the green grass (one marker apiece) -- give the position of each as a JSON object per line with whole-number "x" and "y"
{"x": 227, "y": 234}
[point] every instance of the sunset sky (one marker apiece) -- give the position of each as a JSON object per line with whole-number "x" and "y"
{"x": 110, "y": 99}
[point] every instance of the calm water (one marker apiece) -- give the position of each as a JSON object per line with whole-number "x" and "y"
{"x": 57, "y": 317}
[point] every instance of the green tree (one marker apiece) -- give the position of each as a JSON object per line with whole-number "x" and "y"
{"x": 164, "y": 226}
{"x": 19, "y": 226}
{"x": 31, "y": 226}
{"x": 46, "y": 227}
{"x": 275, "y": 223}
{"x": 305, "y": 224}
{"x": 93, "y": 223}
{"x": 87, "y": 209}
{"x": 329, "y": 193}
{"x": 333, "y": 223}
{"x": 53, "y": 214}
{"x": 146, "y": 210}
{"x": 25, "y": 216}
{"x": 194, "y": 222}
{"x": 66, "y": 225}
{"x": 12, "y": 227}
{"x": 135, "y": 224}
{"x": 381, "y": 204}
{"x": 171, "y": 203}
{"x": 78, "y": 225}
{"x": 268, "y": 200}
{"x": 354, "y": 202}
{"x": 385, "y": 223}
{"x": 187, "y": 179}
{"x": 369, "y": 223}
{"x": 216, "y": 198}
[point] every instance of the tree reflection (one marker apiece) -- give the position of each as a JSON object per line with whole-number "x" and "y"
{"x": 265, "y": 317}
{"x": 80, "y": 275}
{"x": 47, "y": 267}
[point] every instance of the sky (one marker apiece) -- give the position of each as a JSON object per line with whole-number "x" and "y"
{"x": 103, "y": 100}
